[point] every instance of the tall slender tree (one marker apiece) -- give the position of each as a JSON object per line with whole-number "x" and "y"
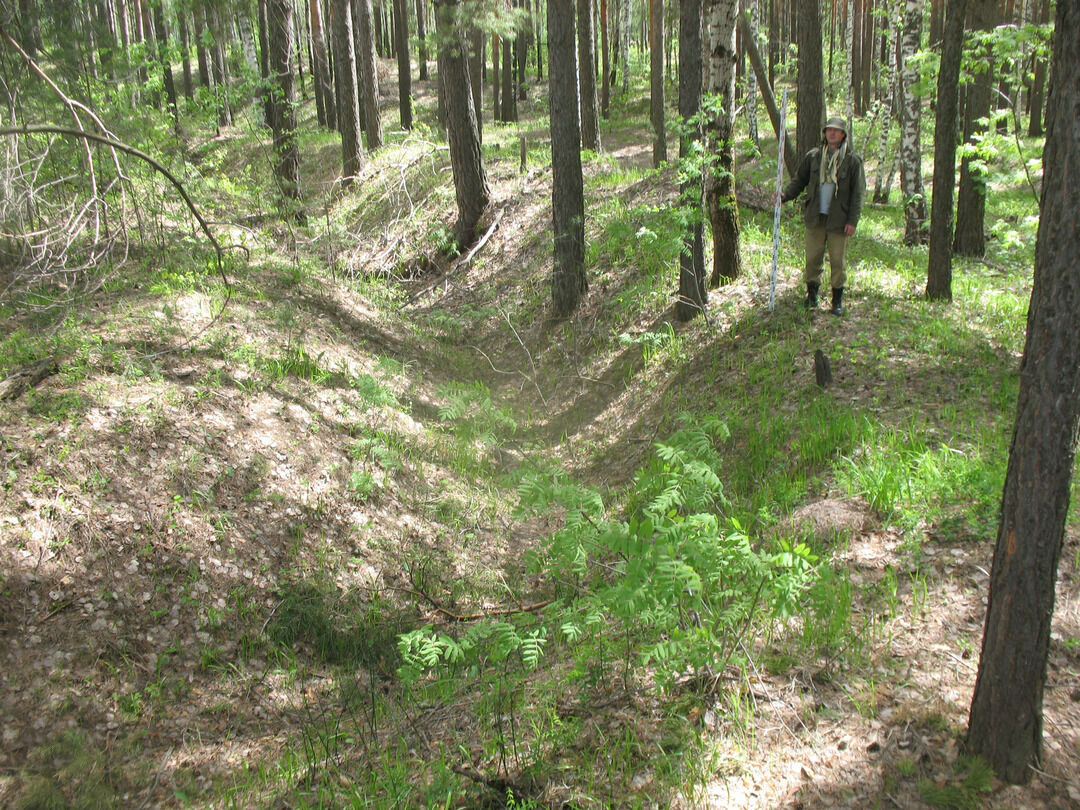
{"x": 568, "y": 279}
{"x": 286, "y": 152}
{"x": 810, "y": 87}
{"x": 939, "y": 268}
{"x": 421, "y": 39}
{"x": 969, "y": 239}
{"x": 401, "y": 37}
{"x": 720, "y": 180}
{"x": 1006, "y": 721}
{"x": 348, "y": 108}
{"x": 590, "y": 108}
{"x": 656, "y": 80}
{"x": 692, "y": 295}
{"x": 367, "y": 73}
{"x": 470, "y": 178}
{"x": 910, "y": 109}
{"x": 324, "y": 88}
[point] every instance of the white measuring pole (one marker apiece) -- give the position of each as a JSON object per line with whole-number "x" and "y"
{"x": 776, "y": 205}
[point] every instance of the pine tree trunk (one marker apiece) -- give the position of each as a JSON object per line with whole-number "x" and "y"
{"x": 1006, "y": 721}
{"x": 969, "y": 239}
{"x": 367, "y": 72}
{"x": 421, "y": 35}
{"x": 939, "y": 269}
{"x": 185, "y": 54}
{"x": 568, "y": 279}
{"x": 692, "y": 295}
{"x": 286, "y": 156}
{"x": 476, "y": 76}
{"x": 605, "y": 74}
{"x": 401, "y": 34}
{"x": 656, "y": 81}
{"x": 323, "y": 86}
{"x": 810, "y": 89}
{"x": 586, "y": 37}
{"x": 348, "y": 107}
{"x": 471, "y": 188}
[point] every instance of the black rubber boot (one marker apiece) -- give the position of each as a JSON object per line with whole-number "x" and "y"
{"x": 837, "y": 301}
{"x": 811, "y": 295}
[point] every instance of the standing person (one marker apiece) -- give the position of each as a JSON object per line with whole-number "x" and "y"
{"x": 836, "y": 184}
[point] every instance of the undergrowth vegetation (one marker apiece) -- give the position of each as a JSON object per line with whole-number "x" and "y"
{"x": 473, "y": 557}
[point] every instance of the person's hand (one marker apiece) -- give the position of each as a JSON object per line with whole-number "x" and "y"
{"x": 849, "y": 230}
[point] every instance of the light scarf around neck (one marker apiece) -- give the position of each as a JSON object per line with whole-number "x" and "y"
{"x": 830, "y": 162}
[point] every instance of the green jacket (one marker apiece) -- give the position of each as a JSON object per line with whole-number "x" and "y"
{"x": 847, "y": 202}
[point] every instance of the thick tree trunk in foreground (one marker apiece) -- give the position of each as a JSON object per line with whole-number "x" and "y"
{"x": 692, "y": 295}
{"x": 568, "y": 280}
{"x": 470, "y": 180}
{"x": 1006, "y": 721}
{"x": 939, "y": 269}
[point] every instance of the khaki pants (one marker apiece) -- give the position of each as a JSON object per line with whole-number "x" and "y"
{"x": 818, "y": 240}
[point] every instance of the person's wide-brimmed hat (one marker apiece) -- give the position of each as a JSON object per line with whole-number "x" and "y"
{"x": 836, "y": 122}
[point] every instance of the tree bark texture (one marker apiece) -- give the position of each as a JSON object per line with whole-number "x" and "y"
{"x": 470, "y": 179}
{"x": 421, "y": 36}
{"x": 810, "y": 88}
{"x": 910, "y": 110}
{"x": 568, "y": 280}
{"x": 324, "y": 88}
{"x": 367, "y": 74}
{"x": 1006, "y": 721}
{"x": 476, "y": 75}
{"x": 286, "y": 152}
{"x": 791, "y": 160}
{"x": 969, "y": 238}
{"x": 401, "y": 35}
{"x": 720, "y": 179}
{"x": 939, "y": 269}
{"x": 590, "y": 107}
{"x": 656, "y": 80}
{"x": 692, "y": 294}
{"x": 348, "y": 109}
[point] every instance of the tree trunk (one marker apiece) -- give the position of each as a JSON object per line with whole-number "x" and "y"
{"x": 568, "y": 279}
{"x": 401, "y": 35}
{"x": 586, "y": 36}
{"x": 324, "y": 88}
{"x": 969, "y": 239}
{"x": 910, "y": 109}
{"x": 606, "y": 75}
{"x": 1035, "y": 113}
{"x": 893, "y": 94}
{"x": 751, "y": 76}
{"x": 262, "y": 95}
{"x": 201, "y": 54}
{"x": 286, "y": 154}
{"x": 720, "y": 181}
{"x": 496, "y": 101}
{"x": 1006, "y": 721}
{"x": 692, "y": 295}
{"x": 656, "y": 80}
{"x": 166, "y": 65}
{"x": 185, "y": 54}
{"x": 367, "y": 72}
{"x": 220, "y": 66}
{"x": 810, "y": 88}
{"x": 509, "y": 94}
{"x": 348, "y": 112}
{"x": 421, "y": 35}
{"x": 476, "y": 76}
{"x": 939, "y": 269}
{"x": 791, "y": 160}
{"x": 470, "y": 179}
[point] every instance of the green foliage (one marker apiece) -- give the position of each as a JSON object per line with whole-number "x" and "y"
{"x": 474, "y": 413}
{"x": 689, "y": 588}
